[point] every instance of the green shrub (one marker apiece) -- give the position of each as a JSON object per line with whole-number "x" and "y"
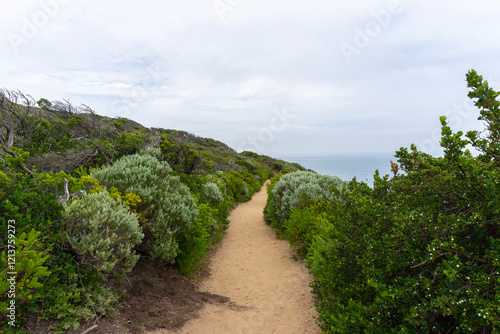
{"x": 194, "y": 247}
{"x": 74, "y": 293}
{"x": 213, "y": 204}
{"x": 182, "y": 157}
{"x": 130, "y": 142}
{"x": 340, "y": 285}
{"x": 418, "y": 253}
{"x": 103, "y": 232}
{"x": 212, "y": 193}
{"x": 220, "y": 199}
{"x": 152, "y": 151}
{"x": 298, "y": 189}
{"x": 397, "y": 259}
{"x": 32, "y": 207}
{"x": 167, "y": 209}
{"x": 26, "y": 260}
{"x": 241, "y": 185}
{"x": 305, "y": 223}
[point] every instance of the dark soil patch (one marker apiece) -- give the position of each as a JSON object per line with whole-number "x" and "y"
{"x": 157, "y": 297}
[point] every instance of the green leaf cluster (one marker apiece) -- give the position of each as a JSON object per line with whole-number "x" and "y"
{"x": 28, "y": 268}
{"x": 182, "y": 157}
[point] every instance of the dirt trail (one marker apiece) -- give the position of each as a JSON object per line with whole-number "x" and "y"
{"x": 269, "y": 291}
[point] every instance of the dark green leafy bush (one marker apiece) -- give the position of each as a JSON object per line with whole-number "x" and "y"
{"x": 29, "y": 268}
{"x": 417, "y": 253}
{"x": 182, "y": 157}
{"x": 305, "y": 223}
{"x": 73, "y": 292}
{"x": 130, "y": 142}
{"x": 409, "y": 256}
{"x": 241, "y": 185}
{"x": 195, "y": 246}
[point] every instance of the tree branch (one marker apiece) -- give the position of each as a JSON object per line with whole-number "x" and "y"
{"x": 10, "y": 138}
{"x": 98, "y": 147}
{"x": 14, "y": 155}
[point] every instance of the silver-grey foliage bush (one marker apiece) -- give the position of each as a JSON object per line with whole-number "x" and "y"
{"x": 212, "y": 192}
{"x": 102, "y": 231}
{"x": 167, "y": 210}
{"x": 295, "y": 187}
{"x": 153, "y": 151}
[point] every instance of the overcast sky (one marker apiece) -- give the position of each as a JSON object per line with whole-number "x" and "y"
{"x": 279, "y": 77}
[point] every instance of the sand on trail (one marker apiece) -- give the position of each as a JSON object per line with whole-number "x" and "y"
{"x": 269, "y": 291}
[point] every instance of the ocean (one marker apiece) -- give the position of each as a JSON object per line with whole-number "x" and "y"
{"x": 347, "y": 167}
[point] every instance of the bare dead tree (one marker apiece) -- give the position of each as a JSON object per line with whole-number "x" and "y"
{"x": 104, "y": 151}
{"x": 63, "y": 109}
{"x": 89, "y": 123}
{"x": 56, "y": 162}
{"x": 93, "y": 119}
{"x": 22, "y": 119}
{"x": 18, "y": 116}
{"x": 155, "y": 141}
{"x": 87, "y": 128}
{"x": 64, "y": 198}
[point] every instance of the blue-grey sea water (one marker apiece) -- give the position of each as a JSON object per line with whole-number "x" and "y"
{"x": 347, "y": 167}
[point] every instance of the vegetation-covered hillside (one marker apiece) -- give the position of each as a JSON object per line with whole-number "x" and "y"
{"x": 83, "y": 197}
{"x": 418, "y": 252}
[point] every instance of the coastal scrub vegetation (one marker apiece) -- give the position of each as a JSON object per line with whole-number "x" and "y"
{"x": 83, "y": 197}
{"x": 419, "y": 252}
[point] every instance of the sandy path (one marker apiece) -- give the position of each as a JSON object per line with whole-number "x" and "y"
{"x": 269, "y": 292}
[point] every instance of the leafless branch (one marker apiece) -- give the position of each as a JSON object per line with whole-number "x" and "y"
{"x": 18, "y": 115}
{"x": 98, "y": 147}
{"x": 89, "y": 329}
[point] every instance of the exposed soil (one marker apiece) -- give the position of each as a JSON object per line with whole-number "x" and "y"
{"x": 157, "y": 297}
{"x": 251, "y": 285}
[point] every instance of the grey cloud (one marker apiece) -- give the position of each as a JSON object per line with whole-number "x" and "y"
{"x": 173, "y": 64}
